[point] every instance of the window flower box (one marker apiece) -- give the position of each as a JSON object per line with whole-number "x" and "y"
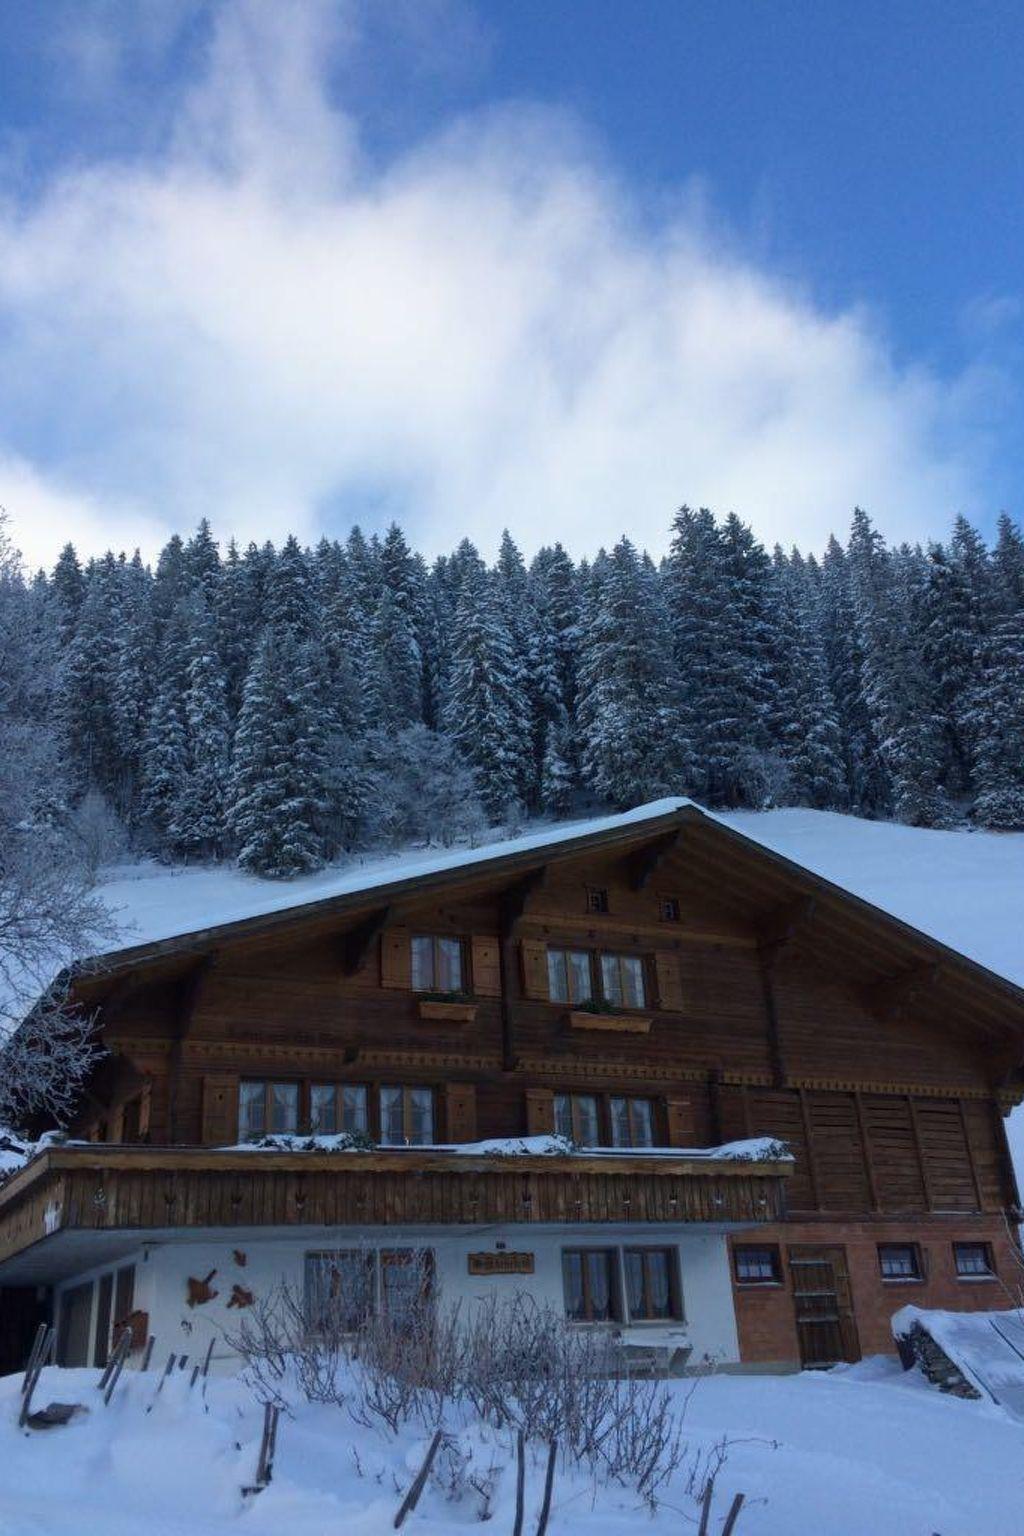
{"x": 621, "y": 1023}
{"x": 437, "y": 1010}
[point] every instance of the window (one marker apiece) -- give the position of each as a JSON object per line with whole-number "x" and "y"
{"x": 632, "y": 1122}
{"x": 406, "y": 1279}
{"x": 589, "y": 1278}
{"x": 651, "y": 1290}
{"x": 757, "y": 1266}
{"x": 597, "y": 899}
{"x": 576, "y": 1118}
{"x": 338, "y": 1107}
{"x": 569, "y": 976}
{"x": 668, "y": 909}
{"x": 974, "y": 1261}
{"x": 345, "y": 1286}
{"x": 899, "y": 1261}
{"x": 406, "y": 1117}
{"x": 436, "y": 964}
{"x": 622, "y": 980}
{"x": 266, "y": 1107}
{"x": 339, "y": 1289}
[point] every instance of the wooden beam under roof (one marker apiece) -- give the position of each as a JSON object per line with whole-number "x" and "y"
{"x": 357, "y": 943}
{"x": 515, "y": 898}
{"x": 889, "y": 999}
{"x": 782, "y": 924}
{"x": 642, "y": 865}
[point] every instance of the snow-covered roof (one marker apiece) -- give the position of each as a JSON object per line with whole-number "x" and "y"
{"x": 154, "y": 903}
{"x": 901, "y": 881}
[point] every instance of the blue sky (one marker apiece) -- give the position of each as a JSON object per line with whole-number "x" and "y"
{"x": 553, "y": 265}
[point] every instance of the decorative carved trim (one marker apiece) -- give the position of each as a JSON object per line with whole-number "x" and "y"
{"x": 232, "y": 1051}
{"x": 568, "y": 1068}
{"x": 862, "y": 1085}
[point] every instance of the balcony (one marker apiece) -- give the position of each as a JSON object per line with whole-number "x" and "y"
{"x": 56, "y": 1211}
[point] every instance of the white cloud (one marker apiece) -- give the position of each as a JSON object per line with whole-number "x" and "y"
{"x": 261, "y": 327}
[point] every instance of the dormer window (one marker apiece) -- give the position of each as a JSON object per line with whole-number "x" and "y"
{"x": 436, "y": 964}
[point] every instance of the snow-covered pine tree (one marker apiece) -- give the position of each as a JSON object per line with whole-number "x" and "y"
{"x": 803, "y": 723}
{"x": 163, "y": 751}
{"x": 632, "y": 746}
{"x": 998, "y": 728}
{"x": 68, "y": 586}
{"x": 85, "y": 705}
{"x": 485, "y": 706}
{"x": 897, "y": 691}
{"x": 287, "y": 603}
{"x": 132, "y": 684}
{"x": 196, "y": 824}
{"x": 275, "y": 786}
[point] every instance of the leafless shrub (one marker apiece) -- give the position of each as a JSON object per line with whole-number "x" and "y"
{"x": 513, "y": 1364}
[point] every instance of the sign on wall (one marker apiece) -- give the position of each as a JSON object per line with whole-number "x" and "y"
{"x": 500, "y": 1263}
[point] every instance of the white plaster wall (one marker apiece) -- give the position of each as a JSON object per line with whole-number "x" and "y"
{"x": 163, "y": 1271}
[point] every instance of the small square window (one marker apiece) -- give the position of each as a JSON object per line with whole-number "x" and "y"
{"x": 668, "y": 909}
{"x": 974, "y": 1261}
{"x": 756, "y": 1266}
{"x": 899, "y": 1261}
{"x": 597, "y": 898}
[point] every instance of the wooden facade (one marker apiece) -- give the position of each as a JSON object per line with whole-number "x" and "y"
{"x": 733, "y": 995}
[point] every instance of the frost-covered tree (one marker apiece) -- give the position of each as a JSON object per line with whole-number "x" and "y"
{"x": 485, "y": 705}
{"x": 633, "y": 747}
{"x": 197, "y": 813}
{"x": 276, "y": 781}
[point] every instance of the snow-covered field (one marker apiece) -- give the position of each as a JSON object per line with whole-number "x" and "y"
{"x": 857, "y": 1451}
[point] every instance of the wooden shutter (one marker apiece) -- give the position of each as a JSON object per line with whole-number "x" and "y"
{"x": 540, "y": 1112}
{"x": 395, "y": 958}
{"x": 460, "y": 1111}
{"x": 220, "y": 1109}
{"x": 535, "y": 968}
{"x": 681, "y": 1122}
{"x": 669, "y": 980}
{"x": 486, "y": 961}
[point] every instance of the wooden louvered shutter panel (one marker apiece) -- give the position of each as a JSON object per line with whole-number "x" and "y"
{"x": 486, "y": 962}
{"x": 669, "y": 980}
{"x": 681, "y": 1122}
{"x": 220, "y": 1109}
{"x": 535, "y": 968}
{"x": 395, "y": 958}
{"x": 460, "y": 1111}
{"x": 540, "y": 1112}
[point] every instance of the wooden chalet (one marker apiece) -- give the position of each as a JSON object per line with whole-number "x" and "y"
{"x": 658, "y": 989}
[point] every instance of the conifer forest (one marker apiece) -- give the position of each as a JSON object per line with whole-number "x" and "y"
{"x": 281, "y": 707}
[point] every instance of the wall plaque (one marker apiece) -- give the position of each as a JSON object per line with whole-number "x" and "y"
{"x": 500, "y": 1263}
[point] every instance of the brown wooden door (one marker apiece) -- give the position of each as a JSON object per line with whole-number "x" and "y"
{"x": 825, "y": 1326}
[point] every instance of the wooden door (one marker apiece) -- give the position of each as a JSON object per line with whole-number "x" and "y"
{"x": 825, "y": 1326}
{"x": 75, "y": 1325}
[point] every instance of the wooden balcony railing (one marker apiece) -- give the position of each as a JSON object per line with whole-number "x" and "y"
{"x": 121, "y": 1188}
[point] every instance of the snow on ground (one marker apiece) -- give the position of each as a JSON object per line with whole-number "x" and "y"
{"x": 844, "y": 1453}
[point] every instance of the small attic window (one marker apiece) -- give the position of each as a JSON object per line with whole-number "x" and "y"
{"x": 597, "y": 898}
{"x": 668, "y": 909}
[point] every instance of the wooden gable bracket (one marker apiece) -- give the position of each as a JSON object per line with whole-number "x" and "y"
{"x": 357, "y": 943}
{"x": 782, "y": 925}
{"x": 889, "y": 998}
{"x": 642, "y": 865}
{"x": 514, "y": 899}
{"x": 188, "y": 1001}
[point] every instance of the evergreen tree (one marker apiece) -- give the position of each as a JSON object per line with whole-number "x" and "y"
{"x": 484, "y": 706}
{"x": 196, "y": 824}
{"x": 804, "y": 721}
{"x": 275, "y": 788}
{"x": 998, "y": 726}
{"x": 68, "y": 587}
{"x": 632, "y": 743}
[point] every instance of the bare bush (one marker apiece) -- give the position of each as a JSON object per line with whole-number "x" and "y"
{"x": 513, "y": 1364}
